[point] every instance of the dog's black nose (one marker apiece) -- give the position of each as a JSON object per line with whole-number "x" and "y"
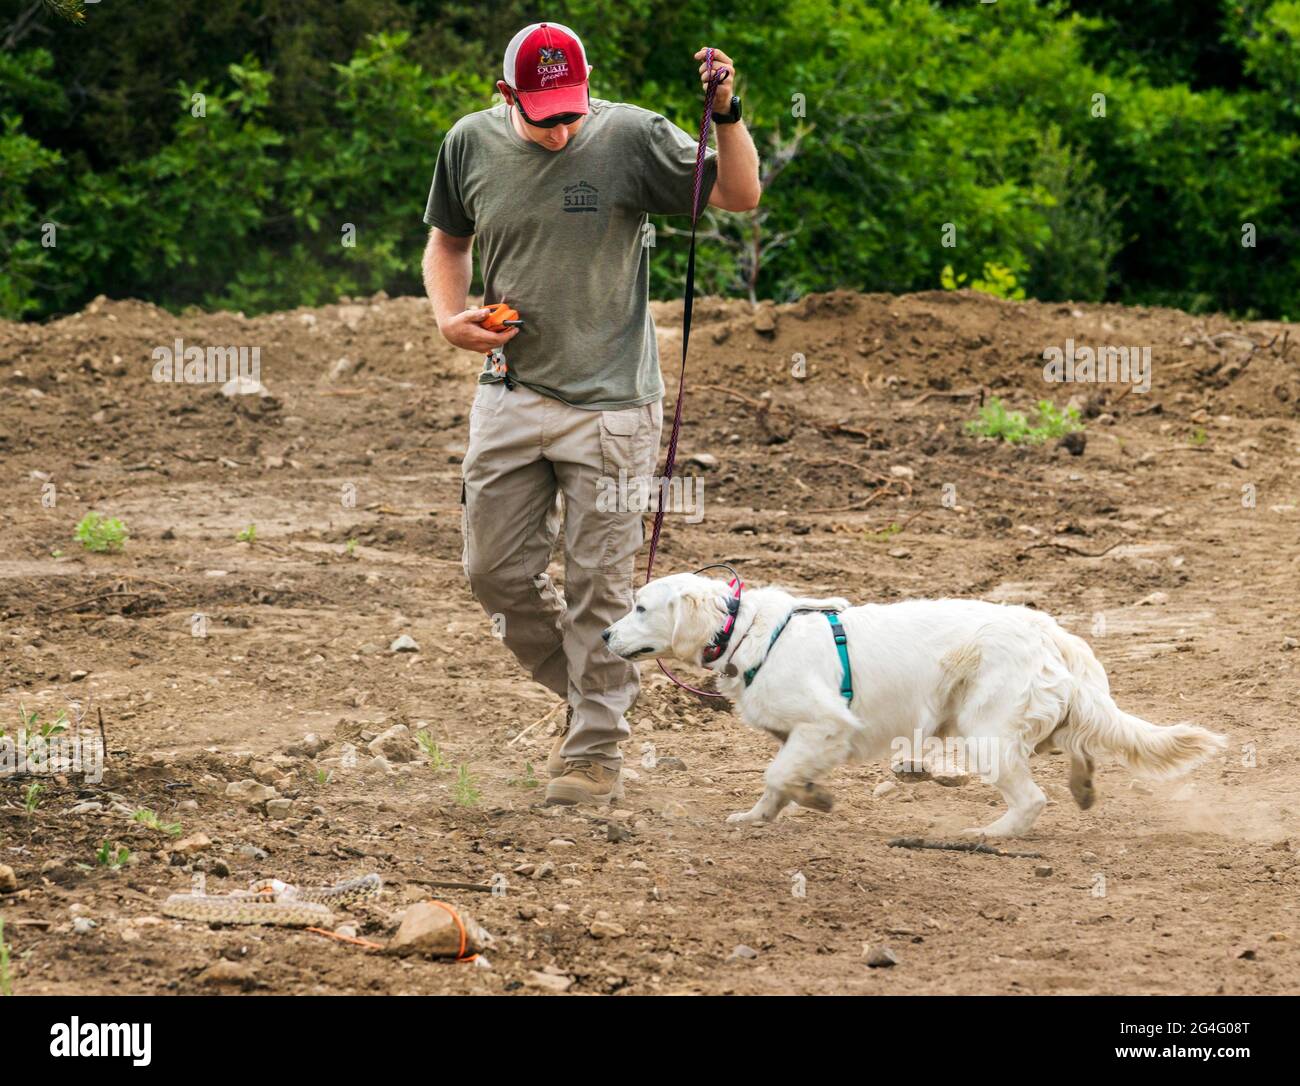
{"x": 604, "y": 636}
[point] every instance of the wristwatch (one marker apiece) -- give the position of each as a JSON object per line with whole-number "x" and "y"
{"x": 733, "y": 116}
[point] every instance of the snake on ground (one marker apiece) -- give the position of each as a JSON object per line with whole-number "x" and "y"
{"x": 270, "y": 901}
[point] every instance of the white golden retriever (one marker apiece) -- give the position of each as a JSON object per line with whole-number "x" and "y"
{"x": 1007, "y": 678}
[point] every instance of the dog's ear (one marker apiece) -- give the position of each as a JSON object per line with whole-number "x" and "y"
{"x": 695, "y": 616}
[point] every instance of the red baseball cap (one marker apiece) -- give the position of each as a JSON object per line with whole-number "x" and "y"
{"x": 546, "y": 64}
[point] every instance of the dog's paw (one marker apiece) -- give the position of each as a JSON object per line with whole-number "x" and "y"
{"x": 814, "y": 797}
{"x": 745, "y": 816}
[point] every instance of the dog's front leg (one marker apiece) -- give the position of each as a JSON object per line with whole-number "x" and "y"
{"x": 770, "y": 804}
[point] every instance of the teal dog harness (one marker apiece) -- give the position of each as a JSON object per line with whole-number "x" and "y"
{"x": 841, "y": 646}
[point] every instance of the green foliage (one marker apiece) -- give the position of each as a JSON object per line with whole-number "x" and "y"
{"x": 898, "y": 140}
{"x": 150, "y": 819}
{"x": 112, "y": 856}
{"x": 1000, "y": 281}
{"x": 995, "y": 421}
{"x": 98, "y": 533}
{"x": 6, "y": 978}
{"x": 247, "y": 535}
{"x": 528, "y": 780}
{"x": 465, "y": 792}
{"x": 436, "y": 759}
{"x": 32, "y": 798}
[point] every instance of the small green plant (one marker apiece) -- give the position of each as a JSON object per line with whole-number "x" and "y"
{"x": 1199, "y": 436}
{"x": 112, "y": 856}
{"x": 528, "y": 780}
{"x": 464, "y": 791}
{"x": 32, "y": 798}
{"x": 885, "y": 533}
{"x": 431, "y": 748}
{"x": 323, "y": 777}
{"x": 248, "y": 535}
{"x": 996, "y": 421}
{"x": 150, "y": 818}
{"x": 56, "y": 553}
{"x": 350, "y": 548}
{"x": 999, "y": 281}
{"x": 101, "y": 534}
{"x": 6, "y": 981}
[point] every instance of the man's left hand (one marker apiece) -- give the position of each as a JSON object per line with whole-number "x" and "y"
{"x": 726, "y": 87}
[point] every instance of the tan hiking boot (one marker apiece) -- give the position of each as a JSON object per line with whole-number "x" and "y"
{"x": 554, "y": 762}
{"x": 585, "y": 782}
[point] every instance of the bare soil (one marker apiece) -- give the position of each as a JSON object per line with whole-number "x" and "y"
{"x": 1180, "y": 887}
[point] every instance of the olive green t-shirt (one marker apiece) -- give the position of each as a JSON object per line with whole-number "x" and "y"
{"x": 563, "y": 238}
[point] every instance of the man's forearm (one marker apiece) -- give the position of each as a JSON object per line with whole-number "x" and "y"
{"x": 737, "y": 187}
{"x": 448, "y": 269}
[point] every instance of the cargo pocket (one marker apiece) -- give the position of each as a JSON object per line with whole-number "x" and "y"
{"x": 628, "y": 446}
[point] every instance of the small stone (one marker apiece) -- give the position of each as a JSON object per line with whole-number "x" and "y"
{"x": 1289, "y": 643}
{"x": 1239, "y": 461}
{"x": 547, "y": 982}
{"x": 308, "y": 746}
{"x": 742, "y": 953}
{"x": 706, "y": 461}
{"x": 252, "y": 852}
{"x": 278, "y": 808}
{"x": 1156, "y": 599}
{"x": 882, "y": 958}
{"x": 89, "y": 807}
{"x": 244, "y": 386}
{"x": 83, "y": 925}
{"x": 900, "y": 552}
{"x": 902, "y": 471}
{"x": 197, "y": 842}
{"x": 545, "y": 871}
{"x": 606, "y": 929}
{"x": 765, "y": 320}
{"x": 1042, "y": 871}
{"x": 8, "y": 880}
{"x": 250, "y": 791}
{"x": 223, "y": 972}
{"x": 77, "y": 676}
{"x": 405, "y": 643}
{"x": 883, "y": 789}
{"x": 615, "y": 833}
{"x": 219, "y": 868}
{"x": 395, "y": 744}
{"x": 529, "y": 912}
{"x": 1074, "y": 442}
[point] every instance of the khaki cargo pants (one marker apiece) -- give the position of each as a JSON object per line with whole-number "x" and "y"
{"x": 525, "y": 450}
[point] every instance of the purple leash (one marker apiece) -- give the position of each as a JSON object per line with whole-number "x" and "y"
{"x": 670, "y": 460}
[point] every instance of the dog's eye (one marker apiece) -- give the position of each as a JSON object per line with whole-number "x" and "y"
{"x": 639, "y": 609}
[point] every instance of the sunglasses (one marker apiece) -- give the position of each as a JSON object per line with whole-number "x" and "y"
{"x": 550, "y": 122}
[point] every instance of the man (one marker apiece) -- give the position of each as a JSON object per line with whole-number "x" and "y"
{"x": 556, "y": 186}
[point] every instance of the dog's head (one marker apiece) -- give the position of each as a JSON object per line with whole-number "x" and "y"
{"x": 673, "y": 616}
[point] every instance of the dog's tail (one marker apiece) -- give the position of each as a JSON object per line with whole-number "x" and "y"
{"x": 1096, "y": 725}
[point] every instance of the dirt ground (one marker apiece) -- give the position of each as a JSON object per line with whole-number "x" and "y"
{"x": 855, "y": 477}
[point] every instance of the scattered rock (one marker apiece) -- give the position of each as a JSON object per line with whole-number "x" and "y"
{"x": 1042, "y": 871}
{"x": 900, "y": 552}
{"x": 395, "y": 744}
{"x": 548, "y": 982}
{"x": 882, "y": 958}
{"x": 765, "y": 320}
{"x": 250, "y": 791}
{"x": 1156, "y": 599}
{"x": 1239, "y": 461}
{"x": 742, "y": 953}
{"x": 225, "y": 972}
{"x": 432, "y": 931}
{"x": 705, "y": 461}
{"x": 278, "y": 808}
{"x": 1074, "y": 442}
{"x": 883, "y": 789}
{"x": 252, "y": 852}
{"x": 244, "y": 386}
{"x": 675, "y": 764}
{"x": 405, "y": 643}
{"x": 196, "y": 842}
{"x": 308, "y": 746}
{"x": 902, "y": 471}
{"x": 616, "y": 833}
{"x": 8, "y": 880}
{"x": 1289, "y": 643}
{"x": 606, "y": 929}
{"x": 89, "y": 807}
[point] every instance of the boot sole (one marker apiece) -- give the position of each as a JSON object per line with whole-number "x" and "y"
{"x": 573, "y": 797}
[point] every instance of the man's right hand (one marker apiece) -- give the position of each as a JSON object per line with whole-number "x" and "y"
{"x": 465, "y": 330}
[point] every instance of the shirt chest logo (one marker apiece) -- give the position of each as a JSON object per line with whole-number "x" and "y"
{"x": 581, "y": 197}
